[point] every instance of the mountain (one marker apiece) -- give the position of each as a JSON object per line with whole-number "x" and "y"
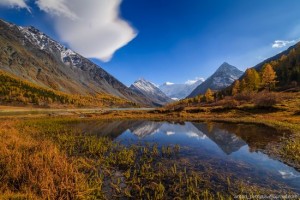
{"x": 227, "y": 141}
{"x": 179, "y": 91}
{"x": 225, "y": 75}
{"x": 31, "y": 55}
{"x": 15, "y": 91}
{"x": 145, "y": 128}
{"x": 277, "y": 56}
{"x": 150, "y": 91}
{"x": 286, "y": 65}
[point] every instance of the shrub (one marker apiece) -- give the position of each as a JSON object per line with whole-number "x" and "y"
{"x": 266, "y": 99}
{"x": 230, "y": 103}
{"x": 196, "y": 110}
{"x": 244, "y": 97}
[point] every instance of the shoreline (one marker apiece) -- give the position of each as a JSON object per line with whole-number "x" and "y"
{"x": 281, "y": 152}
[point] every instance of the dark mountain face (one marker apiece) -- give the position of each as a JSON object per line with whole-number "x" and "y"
{"x": 224, "y": 76}
{"x": 31, "y": 55}
{"x": 150, "y": 91}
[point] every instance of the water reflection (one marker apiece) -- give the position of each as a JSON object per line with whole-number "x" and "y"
{"x": 226, "y": 148}
{"x": 224, "y": 138}
{"x": 228, "y": 137}
{"x": 145, "y": 128}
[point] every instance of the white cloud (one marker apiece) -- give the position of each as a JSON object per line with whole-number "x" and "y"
{"x": 282, "y": 43}
{"x": 192, "y": 134}
{"x": 15, "y": 4}
{"x": 191, "y": 82}
{"x": 169, "y": 83}
{"x": 56, "y": 7}
{"x": 170, "y": 132}
{"x": 175, "y": 99}
{"x": 92, "y": 28}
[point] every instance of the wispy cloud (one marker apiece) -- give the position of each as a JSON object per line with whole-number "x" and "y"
{"x": 93, "y": 28}
{"x": 15, "y": 4}
{"x": 282, "y": 43}
{"x": 58, "y": 8}
{"x": 191, "y": 82}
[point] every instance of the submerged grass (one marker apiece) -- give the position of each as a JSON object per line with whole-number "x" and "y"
{"x": 47, "y": 159}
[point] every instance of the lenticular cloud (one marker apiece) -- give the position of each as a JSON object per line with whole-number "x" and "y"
{"x": 14, "y": 4}
{"x": 93, "y": 28}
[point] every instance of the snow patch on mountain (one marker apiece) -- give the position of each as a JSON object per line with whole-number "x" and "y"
{"x": 43, "y": 42}
{"x": 144, "y": 85}
{"x": 151, "y": 91}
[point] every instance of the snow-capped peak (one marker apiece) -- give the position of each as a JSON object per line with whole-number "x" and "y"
{"x": 44, "y": 42}
{"x": 150, "y": 90}
{"x": 144, "y": 85}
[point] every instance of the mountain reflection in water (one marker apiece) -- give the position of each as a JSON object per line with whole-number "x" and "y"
{"x": 228, "y": 137}
{"x": 226, "y": 147}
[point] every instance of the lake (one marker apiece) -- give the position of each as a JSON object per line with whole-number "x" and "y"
{"x": 227, "y": 149}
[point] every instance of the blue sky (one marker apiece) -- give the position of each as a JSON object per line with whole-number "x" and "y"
{"x": 165, "y": 40}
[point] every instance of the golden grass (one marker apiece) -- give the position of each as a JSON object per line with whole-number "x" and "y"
{"x": 35, "y": 169}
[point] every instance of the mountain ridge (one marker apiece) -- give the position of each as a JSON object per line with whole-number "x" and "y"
{"x": 32, "y": 55}
{"x": 150, "y": 91}
{"x": 223, "y": 77}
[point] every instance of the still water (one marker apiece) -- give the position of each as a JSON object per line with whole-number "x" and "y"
{"x": 235, "y": 149}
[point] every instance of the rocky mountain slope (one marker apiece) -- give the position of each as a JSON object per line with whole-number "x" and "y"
{"x": 150, "y": 91}
{"x": 179, "y": 91}
{"x": 225, "y": 75}
{"x": 33, "y": 56}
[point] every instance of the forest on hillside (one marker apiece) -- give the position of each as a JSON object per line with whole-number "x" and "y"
{"x": 14, "y": 91}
